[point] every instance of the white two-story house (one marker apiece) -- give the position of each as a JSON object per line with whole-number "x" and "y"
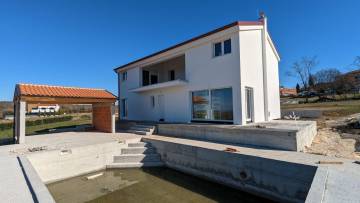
{"x": 226, "y": 75}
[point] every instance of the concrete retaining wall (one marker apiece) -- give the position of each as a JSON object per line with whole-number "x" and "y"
{"x": 277, "y": 180}
{"x": 61, "y": 164}
{"x": 294, "y": 139}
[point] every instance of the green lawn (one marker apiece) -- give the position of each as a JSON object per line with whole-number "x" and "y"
{"x": 331, "y": 109}
{"x": 34, "y": 129}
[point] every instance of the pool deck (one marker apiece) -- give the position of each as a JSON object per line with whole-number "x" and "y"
{"x": 19, "y": 181}
{"x": 65, "y": 140}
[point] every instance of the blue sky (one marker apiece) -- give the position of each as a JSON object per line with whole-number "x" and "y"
{"x": 79, "y": 42}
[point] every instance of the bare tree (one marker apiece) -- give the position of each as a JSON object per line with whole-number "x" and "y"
{"x": 356, "y": 62}
{"x": 326, "y": 80}
{"x": 302, "y": 69}
{"x": 327, "y": 75}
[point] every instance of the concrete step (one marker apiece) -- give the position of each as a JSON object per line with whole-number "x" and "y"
{"x": 138, "y": 132}
{"x": 135, "y": 165}
{"x": 145, "y": 126}
{"x": 135, "y": 158}
{"x": 138, "y": 150}
{"x": 139, "y": 144}
{"x": 140, "y": 128}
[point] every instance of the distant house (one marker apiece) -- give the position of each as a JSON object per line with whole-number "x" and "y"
{"x": 226, "y": 75}
{"x": 285, "y": 92}
{"x": 38, "y": 109}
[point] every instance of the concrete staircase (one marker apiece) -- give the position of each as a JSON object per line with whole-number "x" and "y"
{"x": 139, "y": 154}
{"x": 142, "y": 129}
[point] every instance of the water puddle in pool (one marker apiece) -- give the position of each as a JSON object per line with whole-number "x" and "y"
{"x": 158, "y": 185}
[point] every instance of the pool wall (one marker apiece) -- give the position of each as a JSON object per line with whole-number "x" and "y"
{"x": 270, "y": 178}
{"x": 61, "y": 164}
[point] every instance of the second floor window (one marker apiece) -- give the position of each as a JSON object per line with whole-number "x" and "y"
{"x": 124, "y": 76}
{"x": 222, "y": 48}
{"x": 171, "y": 75}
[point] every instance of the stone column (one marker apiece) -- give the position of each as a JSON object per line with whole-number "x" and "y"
{"x": 20, "y": 121}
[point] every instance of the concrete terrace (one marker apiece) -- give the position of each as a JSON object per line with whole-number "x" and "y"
{"x": 65, "y": 140}
{"x": 70, "y": 154}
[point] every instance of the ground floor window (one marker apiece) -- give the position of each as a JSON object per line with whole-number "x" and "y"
{"x": 249, "y": 103}
{"x": 214, "y": 104}
{"x": 124, "y": 108}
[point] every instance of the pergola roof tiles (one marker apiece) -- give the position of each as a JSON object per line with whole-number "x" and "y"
{"x": 61, "y": 94}
{"x": 59, "y": 91}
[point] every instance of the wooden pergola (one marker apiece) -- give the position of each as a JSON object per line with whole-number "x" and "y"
{"x": 102, "y": 101}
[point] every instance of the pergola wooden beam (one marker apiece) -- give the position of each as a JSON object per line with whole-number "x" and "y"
{"x": 64, "y": 100}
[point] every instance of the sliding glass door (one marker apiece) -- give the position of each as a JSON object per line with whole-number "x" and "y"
{"x": 212, "y": 105}
{"x": 201, "y": 102}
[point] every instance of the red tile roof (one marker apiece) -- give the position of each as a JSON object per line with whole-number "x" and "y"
{"x": 236, "y": 23}
{"x": 59, "y": 91}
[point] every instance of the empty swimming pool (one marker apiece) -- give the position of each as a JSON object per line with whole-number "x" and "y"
{"x": 144, "y": 185}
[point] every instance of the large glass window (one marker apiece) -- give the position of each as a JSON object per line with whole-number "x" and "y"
{"x": 200, "y": 101}
{"x": 221, "y": 104}
{"x": 213, "y": 104}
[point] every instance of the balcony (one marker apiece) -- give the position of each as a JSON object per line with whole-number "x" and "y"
{"x": 165, "y": 74}
{"x": 168, "y": 84}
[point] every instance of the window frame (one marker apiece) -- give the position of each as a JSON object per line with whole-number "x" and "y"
{"x": 222, "y": 47}
{"x": 210, "y": 105}
{"x": 124, "y": 108}
{"x": 124, "y": 76}
{"x": 214, "y": 49}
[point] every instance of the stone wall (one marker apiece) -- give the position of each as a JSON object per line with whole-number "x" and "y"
{"x": 102, "y": 117}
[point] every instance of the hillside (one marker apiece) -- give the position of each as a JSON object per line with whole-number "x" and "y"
{"x": 6, "y": 106}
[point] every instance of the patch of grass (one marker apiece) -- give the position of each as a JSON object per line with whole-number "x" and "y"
{"x": 30, "y": 130}
{"x": 330, "y": 109}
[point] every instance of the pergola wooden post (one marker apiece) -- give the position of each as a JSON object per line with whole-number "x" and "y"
{"x": 102, "y": 101}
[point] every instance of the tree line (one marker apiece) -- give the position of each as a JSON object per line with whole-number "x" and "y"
{"x": 325, "y": 81}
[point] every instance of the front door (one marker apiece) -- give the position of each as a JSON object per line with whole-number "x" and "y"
{"x": 249, "y": 104}
{"x": 161, "y": 107}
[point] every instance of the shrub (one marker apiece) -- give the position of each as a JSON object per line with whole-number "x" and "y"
{"x": 7, "y": 126}
{"x": 85, "y": 117}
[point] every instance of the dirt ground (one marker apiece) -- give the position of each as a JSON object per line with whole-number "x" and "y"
{"x": 337, "y": 137}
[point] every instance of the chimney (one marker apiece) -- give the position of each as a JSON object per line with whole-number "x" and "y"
{"x": 263, "y": 19}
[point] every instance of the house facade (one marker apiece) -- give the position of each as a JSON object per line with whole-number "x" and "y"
{"x": 227, "y": 75}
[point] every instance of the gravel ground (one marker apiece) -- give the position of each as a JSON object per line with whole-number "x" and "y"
{"x": 337, "y": 138}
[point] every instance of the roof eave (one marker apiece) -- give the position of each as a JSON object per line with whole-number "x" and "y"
{"x": 236, "y": 23}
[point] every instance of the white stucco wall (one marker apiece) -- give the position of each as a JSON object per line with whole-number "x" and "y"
{"x": 239, "y": 69}
{"x": 207, "y": 72}
{"x": 273, "y": 83}
{"x": 252, "y": 71}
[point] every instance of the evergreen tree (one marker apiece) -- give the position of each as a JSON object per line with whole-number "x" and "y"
{"x": 297, "y": 88}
